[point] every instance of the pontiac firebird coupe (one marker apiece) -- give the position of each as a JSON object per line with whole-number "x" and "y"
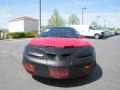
{"x": 59, "y": 53}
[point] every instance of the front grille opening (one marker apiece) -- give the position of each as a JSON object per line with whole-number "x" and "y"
{"x": 68, "y": 46}
{"x": 83, "y": 56}
{"x": 51, "y": 56}
{"x": 50, "y": 46}
{"x": 66, "y": 55}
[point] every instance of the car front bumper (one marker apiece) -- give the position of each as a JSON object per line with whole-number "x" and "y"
{"x": 78, "y": 68}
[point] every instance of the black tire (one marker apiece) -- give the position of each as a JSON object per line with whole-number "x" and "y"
{"x": 97, "y": 36}
{"x": 36, "y": 77}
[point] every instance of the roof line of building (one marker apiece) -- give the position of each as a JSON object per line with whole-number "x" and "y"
{"x": 22, "y": 18}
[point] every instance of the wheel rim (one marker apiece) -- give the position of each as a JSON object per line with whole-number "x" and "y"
{"x": 97, "y": 36}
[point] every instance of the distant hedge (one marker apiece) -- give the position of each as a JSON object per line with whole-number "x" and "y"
{"x": 22, "y": 34}
{"x": 30, "y": 34}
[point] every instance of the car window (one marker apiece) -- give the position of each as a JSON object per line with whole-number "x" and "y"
{"x": 60, "y": 32}
{"x": 91, "y": 28}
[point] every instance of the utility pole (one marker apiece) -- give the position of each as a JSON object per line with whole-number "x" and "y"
{"x": 98, "y": 20}
{"x": 83, "y": 15}
{"x": 39, "y": 16}
{"x": 105, "y": 23}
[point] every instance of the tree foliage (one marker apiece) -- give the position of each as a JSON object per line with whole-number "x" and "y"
{"x": 56, "y": 19}
{"x": 73, "y": 19}
{"x": 118, "y": 28}
{"x": 94, "y": 24}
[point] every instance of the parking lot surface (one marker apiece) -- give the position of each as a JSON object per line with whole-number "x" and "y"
{"x": 106, "y": 75}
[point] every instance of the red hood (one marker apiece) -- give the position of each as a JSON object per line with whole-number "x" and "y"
{"x": 59, "y": 42}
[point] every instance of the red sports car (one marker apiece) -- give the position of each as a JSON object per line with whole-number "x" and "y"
{"x": 59, "y": 52}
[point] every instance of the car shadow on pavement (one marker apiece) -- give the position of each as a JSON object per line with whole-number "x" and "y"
{"x": 95, "y": 75}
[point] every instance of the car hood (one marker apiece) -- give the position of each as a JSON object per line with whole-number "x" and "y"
{"x": 59, "y": 42}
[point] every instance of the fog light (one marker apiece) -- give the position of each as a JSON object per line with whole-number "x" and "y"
{"x": 59, "y": 72}
{"x": 29, "y": 68}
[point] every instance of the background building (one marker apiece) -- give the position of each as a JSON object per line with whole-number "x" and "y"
{"x": 23, "y": 24}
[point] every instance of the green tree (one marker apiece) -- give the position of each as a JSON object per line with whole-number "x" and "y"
{"x": 94, "y": 24}
{"x": 56, "y": 19}
{"x": 118, "y": 28}
{"x": 73, "y": 19}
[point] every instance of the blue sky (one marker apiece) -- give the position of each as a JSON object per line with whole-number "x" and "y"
{"x": 108, "y": 10}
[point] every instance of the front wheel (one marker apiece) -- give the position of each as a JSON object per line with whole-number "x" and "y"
{"x": 97, "y": 36}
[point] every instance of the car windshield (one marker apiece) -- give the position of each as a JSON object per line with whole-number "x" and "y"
{"x": 91, "y": 27}
{"x": 64, "y": 32}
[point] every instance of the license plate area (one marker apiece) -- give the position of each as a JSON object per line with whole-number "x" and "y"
{"x": 58, "y": 72}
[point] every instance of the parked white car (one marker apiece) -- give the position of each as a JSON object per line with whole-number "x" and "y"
{"x": 109, "y": 33}
{"x": 112, "y": 32}
{"x": 90, "y": 31}
{"x": 117, "y": 32}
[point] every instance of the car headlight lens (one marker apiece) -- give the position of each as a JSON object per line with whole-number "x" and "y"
{"x": 34, "y": 52}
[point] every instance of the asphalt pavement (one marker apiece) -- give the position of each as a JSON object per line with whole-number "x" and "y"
{"x": 106, "y": 75}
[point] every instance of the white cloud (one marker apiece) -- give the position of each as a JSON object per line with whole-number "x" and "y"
{"x": 4, "y": 13}
{"x": 4, "y": 17}
{"x": 104, "y": 14}
{"x": 112, "y": 19}
{"x": 86, "y": 2}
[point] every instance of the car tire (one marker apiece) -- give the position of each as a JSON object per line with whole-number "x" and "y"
{"x": 97, "y": 36}
{"x": 35, "y": 76}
